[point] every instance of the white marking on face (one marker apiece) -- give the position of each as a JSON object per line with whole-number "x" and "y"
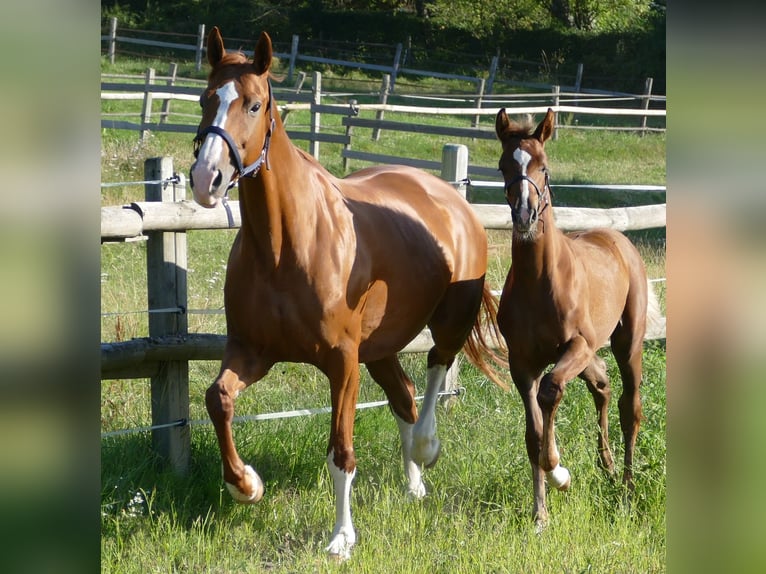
{"x": 523, "y": 158}
{"x": 213, "y": 147}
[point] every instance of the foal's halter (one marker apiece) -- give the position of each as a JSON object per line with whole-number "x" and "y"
{"x": 543, "y": 196}
{"x": 241, "y": 170}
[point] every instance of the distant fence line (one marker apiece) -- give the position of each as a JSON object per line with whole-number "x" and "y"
{"x": 484, "y": 81}
{"x": 169, "y": 88}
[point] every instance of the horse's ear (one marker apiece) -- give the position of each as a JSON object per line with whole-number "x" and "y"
{"x": 215, "y": 49}
{"x": 262, "y": 54}
{"x": 502, "y": 123}
{"x": 545, "y": 129}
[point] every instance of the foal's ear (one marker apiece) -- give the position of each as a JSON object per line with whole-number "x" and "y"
{"x": 545, "y": 129}
{"x": 262, "y": 54}
{"x": 502, "y": 123}
{"x": 215, "y": 49}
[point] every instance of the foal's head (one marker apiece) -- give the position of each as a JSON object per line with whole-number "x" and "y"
{"x": 237, "y": 119}
{"x": 524, "y": 167}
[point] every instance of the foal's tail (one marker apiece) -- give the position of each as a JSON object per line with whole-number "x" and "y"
{"x": 485, "y": 344}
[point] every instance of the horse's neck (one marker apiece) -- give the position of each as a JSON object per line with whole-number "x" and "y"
{"x": 538, "y": 260}
{"x": 280, "y": 204}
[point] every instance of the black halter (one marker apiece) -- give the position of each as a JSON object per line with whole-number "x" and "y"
{"x": 542, "y": 195}
{"x": 241, "y": 170}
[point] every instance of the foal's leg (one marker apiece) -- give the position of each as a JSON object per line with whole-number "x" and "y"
{"x": 627, "y": 346}
{"x": 342, "y": 368}
{"x": 597, "y": 380}
{"x": 388, "y": 373}
{"x": 576, "y": 357}
{"x": 527, "y": 387}
{"x": 237, "y": 372}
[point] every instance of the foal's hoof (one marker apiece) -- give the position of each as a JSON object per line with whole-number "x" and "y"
{"x": 254, "y": 486}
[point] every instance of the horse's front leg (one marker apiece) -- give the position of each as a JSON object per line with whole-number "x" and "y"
{"x": 236, "y": 374}
{"x": 576, "y": 357}
{"x": 527, "y": 386}
{"x": 343, "y": 371}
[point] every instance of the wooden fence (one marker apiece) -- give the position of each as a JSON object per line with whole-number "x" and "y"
{"x": 164, "y": 220}
{"x": 295, "y": 98}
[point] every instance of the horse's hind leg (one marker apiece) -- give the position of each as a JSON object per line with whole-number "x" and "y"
{"x": 236, "y": 374}
{"x": 627, "y": 346}
{"x": 597, "y": 380}
{"x": 388, "y": 373}
{"x": 425, "y": 446}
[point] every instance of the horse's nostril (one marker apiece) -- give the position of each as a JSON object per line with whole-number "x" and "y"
{"x": 218, "y": 179}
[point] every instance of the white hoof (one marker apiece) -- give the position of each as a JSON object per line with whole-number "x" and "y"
{"x": 255, "y": 483}
{"x": 341, "y": 544}
{"x": 559, "y": 477}
{"x": 416, "y": 492}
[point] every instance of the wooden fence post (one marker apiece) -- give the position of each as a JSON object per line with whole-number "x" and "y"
{"x": 578, "y": 84}
{"x": 316, "y": 90}
{"x": 385, "y": 87}
{"x": 166, "y": 284}
{"x": 556, "y": 101}
{"x": 478, "y": 103}
{"x": 112, "y": 39}
{"x": 200, "y": 47}
{"x": 293, "y": 57}
{"x": 645, "y": 101}
{"x": 146, "y": 112}
{"x": 397, "y": 63}
{"x": 492, "y": 72}
{"x": 455, "y": 171}
{"x": 166, "y": 102}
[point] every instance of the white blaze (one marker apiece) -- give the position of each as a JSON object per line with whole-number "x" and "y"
{"x": 213, "y": 146}
{"x": 523, "y": 158}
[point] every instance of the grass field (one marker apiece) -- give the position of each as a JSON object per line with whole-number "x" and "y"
{"x": 477, "y": 517}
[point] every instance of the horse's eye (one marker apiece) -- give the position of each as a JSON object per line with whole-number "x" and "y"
{"x": 255, "y": 108}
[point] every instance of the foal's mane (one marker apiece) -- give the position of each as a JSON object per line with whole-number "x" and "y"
{"x": 521, "y": 129}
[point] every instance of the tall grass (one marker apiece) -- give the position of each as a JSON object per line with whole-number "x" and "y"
{"x": 477, "y": 516}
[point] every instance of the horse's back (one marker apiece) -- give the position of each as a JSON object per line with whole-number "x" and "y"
{"x": 395, "y": 200}
{"x": 616, "y": 275}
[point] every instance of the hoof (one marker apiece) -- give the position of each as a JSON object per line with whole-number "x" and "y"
{"x": 255, "y": 485}
{"x": 341, "y": 545}
{"x": 560, "y": 478}
{"x": 417, "y": 492}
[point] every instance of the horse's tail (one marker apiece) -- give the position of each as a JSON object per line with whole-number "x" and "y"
{"x": 485, "y": 344}
{"x": 655, "y": 321}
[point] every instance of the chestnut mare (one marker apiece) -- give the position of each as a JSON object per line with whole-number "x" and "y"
{"x": 333, "y": 272}
{"x": 564, "y": 297}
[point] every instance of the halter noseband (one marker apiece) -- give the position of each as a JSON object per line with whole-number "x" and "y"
{"x": 542, "y": 195}
{"x": 241, "y": 171}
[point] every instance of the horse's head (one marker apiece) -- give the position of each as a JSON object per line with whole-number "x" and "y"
{"x": 237, "y": 119}
{"x": 524, "y": 165}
